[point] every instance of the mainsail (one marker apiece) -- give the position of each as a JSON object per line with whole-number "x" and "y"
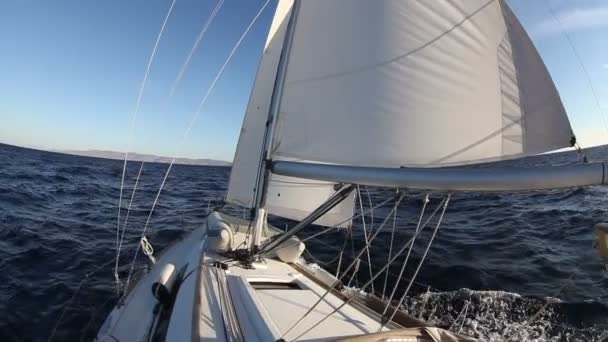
{"x": 416, "y": 84}
{"x": 388, "y": 84}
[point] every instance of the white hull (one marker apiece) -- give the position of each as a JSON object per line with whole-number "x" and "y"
{"x": 210, "y": 303}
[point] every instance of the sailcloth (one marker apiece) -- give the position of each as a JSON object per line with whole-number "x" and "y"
{"x": 415, "y": 83}
{"x": 288, "y": 197}
{"x": 392, "y": 83}
{"x": 248, "y": 152}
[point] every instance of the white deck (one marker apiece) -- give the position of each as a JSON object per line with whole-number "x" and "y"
{"x": 132, "y": 321}
{"x": 267, "y": 314}
{"x": 234, "y": 304}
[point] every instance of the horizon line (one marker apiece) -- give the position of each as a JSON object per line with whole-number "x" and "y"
{"x": 67, "y": 152}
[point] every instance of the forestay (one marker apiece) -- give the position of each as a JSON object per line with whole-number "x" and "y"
{"x": 286, "y": 196}
{"x": 415, "y": 83}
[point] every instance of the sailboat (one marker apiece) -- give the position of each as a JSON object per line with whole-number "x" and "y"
{"x": 348, "y": 93}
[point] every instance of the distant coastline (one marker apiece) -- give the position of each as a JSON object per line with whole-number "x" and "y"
{"x": 148, "y": 158}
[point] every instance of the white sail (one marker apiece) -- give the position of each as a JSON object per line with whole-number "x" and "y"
{"x": 249, "y": 148}
{"x": 415, "y": 83}
{"x": 289, "y": 197}
{"x": 295, "y": 198}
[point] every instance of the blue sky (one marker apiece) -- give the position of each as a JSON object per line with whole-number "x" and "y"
{"x": 70, "y": 71}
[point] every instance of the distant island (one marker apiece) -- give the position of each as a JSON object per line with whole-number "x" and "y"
{"x": 148, "y": 158}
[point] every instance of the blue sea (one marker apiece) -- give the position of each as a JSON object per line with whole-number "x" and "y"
{"x": 516, "y": 266}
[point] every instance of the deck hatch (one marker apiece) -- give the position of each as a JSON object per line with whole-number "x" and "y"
{"x": 273, "y": 285}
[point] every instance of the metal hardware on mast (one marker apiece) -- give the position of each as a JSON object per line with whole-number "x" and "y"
{"x": 264, "y": 167}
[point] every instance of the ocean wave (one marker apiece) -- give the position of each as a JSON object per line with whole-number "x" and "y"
{"x": 500, "y": 316}
{"x": 58, "y": 223}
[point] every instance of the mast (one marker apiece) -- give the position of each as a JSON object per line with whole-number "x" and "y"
{"x": 263, "y": 176}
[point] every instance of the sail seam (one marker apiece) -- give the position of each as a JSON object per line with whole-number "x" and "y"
{"x": 398, "y": 57}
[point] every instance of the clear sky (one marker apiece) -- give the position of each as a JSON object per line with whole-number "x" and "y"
{"x": 70, "y": 71}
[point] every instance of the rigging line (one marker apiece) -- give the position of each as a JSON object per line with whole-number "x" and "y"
{"x": 124, "y": 228}
{"x": 356, "y": 270}
{"x": 341, "y": 255}
{"x": 69, "y": 302}
{"x": 321, "y": 242}
{"x": 428, "y": 247}
{"x": 256, "y": 188}
{"x": 314, "y": 236}
{"x": 426, "y": 299}
{"x": 220, "y": 290}
{"x": 381, "y": 204}
{"x": 462, "y": 311}
{"x": 464, "y": 318}
{"x": 94, "y": 314}
{"x": 321, "y": 262}
{"x": 349, "y": 299}
{"x": 350, "y": 266}
{"x": 390, "y": 253}
{"x": 355, "y": 274}
{"x": 176, "y": 82}
{"x": 369, "y": 260}
{"x": 369, "y": 199}
{"x": 580, "y": 62}
{"x": 260, "y": 177}
{"x": 263, "y": 173}
{"x": 407, "y": 257}
{"x": 201, "y": 34}
{"x": 189, "y": 128}
{"x": 134, "y": 117}
{"x": 186, "y": 63}
{"x": 337, "y": 226}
